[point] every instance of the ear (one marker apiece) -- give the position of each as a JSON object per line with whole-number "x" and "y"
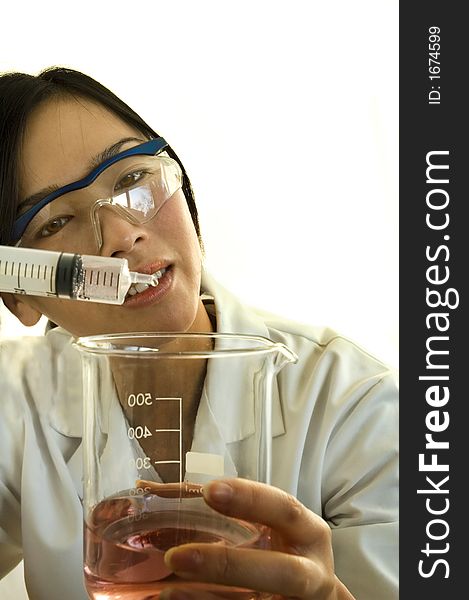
{"x": 24, "y": 312}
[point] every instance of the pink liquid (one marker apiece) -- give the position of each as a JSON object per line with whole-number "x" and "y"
{"x": 126, "y": 538}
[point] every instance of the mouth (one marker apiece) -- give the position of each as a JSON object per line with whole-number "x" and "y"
{"x": 142, "y": 292}
{"x": 138, "y": 288}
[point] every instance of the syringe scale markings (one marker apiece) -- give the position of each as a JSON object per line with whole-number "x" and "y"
{"x": 6, "y": 266}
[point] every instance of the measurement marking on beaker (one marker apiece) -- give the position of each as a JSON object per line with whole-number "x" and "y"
{"x": 179, "y": 462}
{"x": 158, "y": 430}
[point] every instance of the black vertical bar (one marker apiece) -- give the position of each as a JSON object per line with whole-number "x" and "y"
{"x": 433, "y": 199}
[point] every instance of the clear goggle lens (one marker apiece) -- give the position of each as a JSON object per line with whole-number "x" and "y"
{"x": 135, "y": 187}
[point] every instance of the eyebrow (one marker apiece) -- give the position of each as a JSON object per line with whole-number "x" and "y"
{"x": 97, "y": 160}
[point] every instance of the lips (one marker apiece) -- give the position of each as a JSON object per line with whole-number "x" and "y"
{"x": 150, "y": 294}
{"x": 151, "y": 268}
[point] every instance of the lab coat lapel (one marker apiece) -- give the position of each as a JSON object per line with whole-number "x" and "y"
{"x": 66, "y": 394}
{"x": 208, "y": 438}
{"x": 66, "y": 417}
{"x": 234, "y": 412}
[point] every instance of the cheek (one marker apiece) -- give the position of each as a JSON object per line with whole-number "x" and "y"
{"x": 78, "y": 318}
{"x": 175, "y": 220}
{"x": 66, "y": 313}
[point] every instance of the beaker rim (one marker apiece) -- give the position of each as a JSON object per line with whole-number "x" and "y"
{"x": 120, "y": 344}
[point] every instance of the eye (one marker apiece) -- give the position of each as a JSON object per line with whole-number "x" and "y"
{"x": 129, "y": 180}
{"x": 53, "y": 226}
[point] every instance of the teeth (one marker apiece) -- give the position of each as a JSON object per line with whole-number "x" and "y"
{"x": 136, "y": 288}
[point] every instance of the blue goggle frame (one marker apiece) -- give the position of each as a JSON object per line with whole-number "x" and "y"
{"x": 150, "y": 148}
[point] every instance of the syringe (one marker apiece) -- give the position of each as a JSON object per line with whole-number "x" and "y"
{"x": 63, "y": 275}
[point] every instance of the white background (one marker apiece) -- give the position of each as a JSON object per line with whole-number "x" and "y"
{"x": 285, "y": 115}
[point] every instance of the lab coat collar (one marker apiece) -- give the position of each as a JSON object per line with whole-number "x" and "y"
{"x": 233, "y": 413}
{"x": 66, "y": 394}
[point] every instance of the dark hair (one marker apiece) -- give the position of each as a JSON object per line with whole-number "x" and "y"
{"x": 20, "y": 94}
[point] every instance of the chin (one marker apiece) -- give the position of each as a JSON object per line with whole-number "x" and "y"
{"x": 180, "y": 318}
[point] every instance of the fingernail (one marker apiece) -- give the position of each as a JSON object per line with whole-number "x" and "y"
{"x": 219, "y": 492}
{"x": 183, "y": 561}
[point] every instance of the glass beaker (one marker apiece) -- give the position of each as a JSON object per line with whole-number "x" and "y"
{"x": 165, "y": 413}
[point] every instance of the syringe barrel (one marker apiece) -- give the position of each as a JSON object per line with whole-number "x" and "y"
{"x": 106, "y": 279}
{"x": 63, "y": 275}
{"x": 40, "y": 272}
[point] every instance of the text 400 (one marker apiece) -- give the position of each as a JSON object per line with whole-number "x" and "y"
{"x": 138, "y": 432}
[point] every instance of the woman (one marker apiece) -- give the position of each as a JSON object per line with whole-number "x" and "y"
{"x": 333, "y": 507}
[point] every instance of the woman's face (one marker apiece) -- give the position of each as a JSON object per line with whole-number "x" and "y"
{"x": 61, "y": 140}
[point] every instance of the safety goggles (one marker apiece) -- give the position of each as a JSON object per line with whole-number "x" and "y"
{"x": 135, "y": 184}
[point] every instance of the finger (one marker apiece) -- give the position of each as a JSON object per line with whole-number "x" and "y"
{"x": 261, "y": 570}
{"x": 265, "y": 504}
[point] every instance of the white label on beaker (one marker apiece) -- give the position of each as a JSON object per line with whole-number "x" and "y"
{"x": 203, "y": 462}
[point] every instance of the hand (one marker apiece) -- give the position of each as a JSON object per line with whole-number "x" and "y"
{"x": 300, "y": 564}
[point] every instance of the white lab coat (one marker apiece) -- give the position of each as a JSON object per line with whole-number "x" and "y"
{"x": 335, "y": 447}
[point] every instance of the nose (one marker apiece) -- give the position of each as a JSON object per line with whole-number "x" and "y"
{"x": 114, "y": 233}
